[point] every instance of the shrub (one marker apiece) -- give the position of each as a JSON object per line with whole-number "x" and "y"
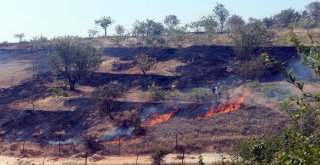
{"x": 156, "y": 94}
{"x": 200, "y": 94}
{"x": 59, "y": 92}
{"x": 252, "y": 69}
{"x": 158, "y": 156}
{"x": 92, "y": 145}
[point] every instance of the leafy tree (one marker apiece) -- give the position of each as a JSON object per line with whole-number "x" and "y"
{"x": 247, "y": 39}
{"x": 104, "y": 22}
{"x": 171, "y": 21}
{"x": 106, "y": 95}
{"x": 221, "y": 14}
{"x": 148, "y": 28}
{"x": 196, "y": 26}
{"x": 120, "y": 30}
{"x": 177, "y": 34}
{"x": 209, "y": 24}
{"x": 20, "y": 36}
{"x": 73, "y": 60}
{"x": 145, "y": 62}
{"x": 92, "y": 32}
{"x": 235, "y": 22}
{"x": 299, "y": 142}
{"x": 313, "y": 10}
{"x": 286, "y": 17}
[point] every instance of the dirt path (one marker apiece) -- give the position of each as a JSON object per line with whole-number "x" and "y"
{"x": 113, "y": 160}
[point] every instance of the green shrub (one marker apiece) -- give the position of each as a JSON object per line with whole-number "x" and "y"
{"x": 175, "y": 95}
{"x": 156, "y": 94}
{"x": 200, "y": 94}
{"x": 59, "y": 92}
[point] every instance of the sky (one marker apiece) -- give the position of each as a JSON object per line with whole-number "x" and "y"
{"x": 53, "y": 18}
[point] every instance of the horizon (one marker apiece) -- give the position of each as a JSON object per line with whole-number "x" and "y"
{"x": 75, "y": 17}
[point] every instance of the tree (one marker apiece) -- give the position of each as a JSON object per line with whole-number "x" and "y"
{"x": 73, "y": 60}
{"x": 235, "y": 22}
{"x": 20, "y": 36}
{"x": 158, "y": 156}
{"x": 313, "y": 10}
{"x": 147, "y": 28}
{"x": 196, "y": 26}
{"x": 171, "y": 21}
{"x": 120, "y": 30}
{"x": 221, "y": 14}
{"x": 247, "y": 39}
{"x": 209, "y": 24}
{"x": 106, "y": 95}
{"x": 104, "y": 22}
{"x": 177, "y": 34}
{"x": 92, "y": 32}
{"x": 145, "y": 62}
{"x": 286, "y": 17}
{"x": 299, "y": 141}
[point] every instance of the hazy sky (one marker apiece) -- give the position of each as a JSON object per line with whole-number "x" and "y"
{"x": 74, "y": 17}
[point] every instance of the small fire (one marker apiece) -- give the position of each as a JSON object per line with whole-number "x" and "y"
{"x": 226, "y": 107}
{"x": 156, "y": 119}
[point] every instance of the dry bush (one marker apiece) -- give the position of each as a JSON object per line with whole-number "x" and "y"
{"x": 252, "y": 69}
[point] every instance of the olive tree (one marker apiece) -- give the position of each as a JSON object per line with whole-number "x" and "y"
{"x": 171, "y": 21}
{"x": 221, "y": 14}
{"x": 104, "y": 22}
{"x": 74, "y": 60}
{"x": 313, "y": 10}
{"x": 145, "y": 63}
{"x": 235, "y": 22}
{"x": 106, "y": 96}
{"x": 247, "y": 39}
{"x": 20, "y": 36}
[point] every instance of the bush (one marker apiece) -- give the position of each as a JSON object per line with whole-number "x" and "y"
{"x": 156, "y": 94}
{"x": 200, "y": 94}
{"x": 59, "y": 92}
{"x": 248, "y": 38}
{"x": 158, "y": 156}
{"x": 252, "y": 69}
{"x": 92, "y": 145}
{"x": 259, "y": 151}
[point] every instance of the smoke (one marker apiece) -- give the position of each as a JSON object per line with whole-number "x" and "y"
{"x": 302, "y": 72}
{"x": 68, "y": 141}
{"x": 120, "y": 132}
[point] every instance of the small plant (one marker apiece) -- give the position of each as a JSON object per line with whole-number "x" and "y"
{"x": 106, "y": 96}
{"x": 145, "y": 63}
{"x": 200, "y": 160}
{"x": 158, "y": 156}
{"x": 156, "y": 94}
{"x": 92, "y": 145}
{"x": 252, "y": 69}
{"x": 200, "y": 94}
{"x": 59, "y": 92}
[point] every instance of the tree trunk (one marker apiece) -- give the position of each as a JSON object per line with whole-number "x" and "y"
{"x": 105, "y": 32}
{"x": 72, "y": 85}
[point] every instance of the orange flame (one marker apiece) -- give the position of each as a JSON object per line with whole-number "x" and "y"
{"x": 155, "y": 119}
{"x": 226, "y": 107}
